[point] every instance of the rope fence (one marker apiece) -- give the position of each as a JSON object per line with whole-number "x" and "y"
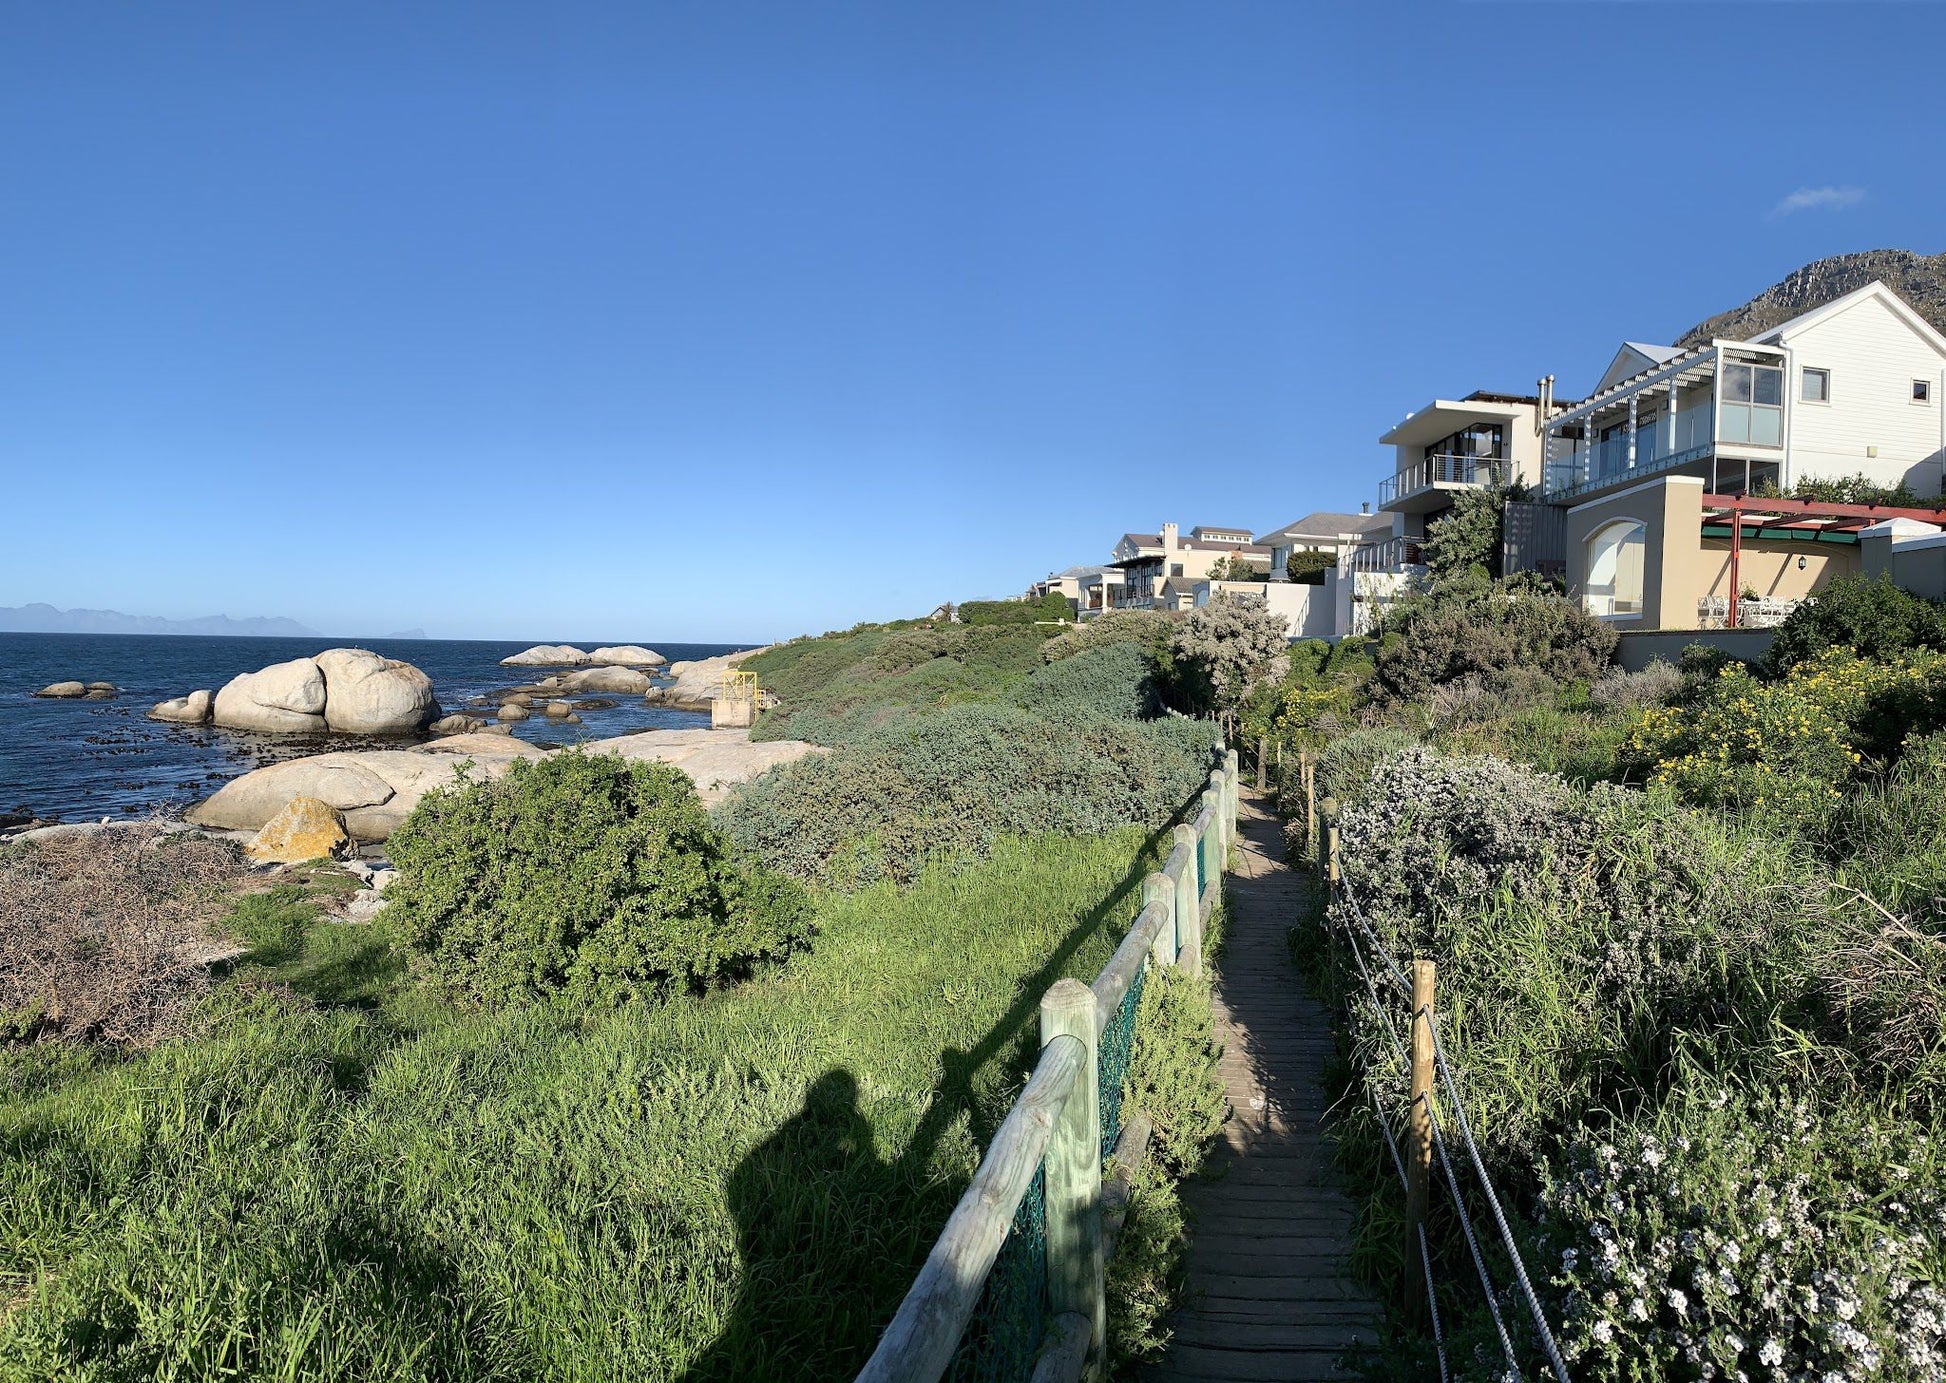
{"x": 1424, "y": 1057}
{"x": 1013, "y": 1288}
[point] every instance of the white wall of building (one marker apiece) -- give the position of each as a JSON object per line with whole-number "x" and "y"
{"x": 1873, "y": 355}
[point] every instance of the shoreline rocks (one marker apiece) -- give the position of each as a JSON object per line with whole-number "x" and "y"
{"x": 193, "y": 709}
{"x": 693, "y": 685}
{"x": 303, "y": 829}
{"x": 376, "y": 789}
{"x": 77, "y": 691}
{"x": 344, "y": 690}
{"x": 567, "y": 655}
{"x": 547, "y": 655}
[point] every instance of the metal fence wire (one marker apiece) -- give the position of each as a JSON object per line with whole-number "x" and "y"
{"x": 1004, "y": 1336}
{"x": 1354, "y": 927}
{"x": 1114, "y": 1050}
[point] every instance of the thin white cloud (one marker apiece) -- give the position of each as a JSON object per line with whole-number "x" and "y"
{"x": 1819, "y": 199}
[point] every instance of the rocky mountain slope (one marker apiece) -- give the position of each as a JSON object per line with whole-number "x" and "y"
{"x": 1919, "y": 279}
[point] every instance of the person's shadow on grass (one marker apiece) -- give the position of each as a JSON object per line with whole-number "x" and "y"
{"x": 810, "y": 1202}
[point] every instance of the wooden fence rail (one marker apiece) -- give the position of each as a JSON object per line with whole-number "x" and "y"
{"x": 1057, "y": 1128}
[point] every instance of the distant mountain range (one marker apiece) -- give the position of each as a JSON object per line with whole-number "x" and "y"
{"x": 45, "y": 619}
{"x": 1919, "y": 279}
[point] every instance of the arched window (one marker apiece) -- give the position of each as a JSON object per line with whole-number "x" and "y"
{"x": 1614, "y": 585}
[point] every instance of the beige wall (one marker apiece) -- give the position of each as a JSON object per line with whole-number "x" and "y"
{"x": 1680, "y": 567}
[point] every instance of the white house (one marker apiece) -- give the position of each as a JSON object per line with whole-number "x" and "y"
{"x": 1852, "y": 387}
{"x": 1334, "y": 534}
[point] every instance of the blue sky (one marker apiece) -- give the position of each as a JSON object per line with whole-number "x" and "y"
{"x": 720, "y": 321}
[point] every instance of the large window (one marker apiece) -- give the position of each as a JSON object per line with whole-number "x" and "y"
{"x": 1817, "y": 385}
{"x": 1614, "y": 585}
{"x": 1752, "y": 404}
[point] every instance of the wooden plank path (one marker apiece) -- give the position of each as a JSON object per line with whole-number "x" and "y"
{"x": 1269, "y": 1294}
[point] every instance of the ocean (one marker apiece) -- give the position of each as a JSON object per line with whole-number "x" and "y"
{"x": 83, "y": 760}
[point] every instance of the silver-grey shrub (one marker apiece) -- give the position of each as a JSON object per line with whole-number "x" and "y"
{"x": 1619, "y": 690}
{"x": 924, "y": 786}
{"x": 1758, "y": 1236}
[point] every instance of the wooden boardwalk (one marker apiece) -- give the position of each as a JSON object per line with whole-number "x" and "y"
{"x": 1269, "y": 1295}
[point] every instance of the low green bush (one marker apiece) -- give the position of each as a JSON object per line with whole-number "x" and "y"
{"x": 1518, "y": 642}
{"x": 1115, "y": 681}
{"x": 1873, "y": 618}
{"x": 1151, "y": 629}
{"x": 1051, "y": 606}
{"x": 584, "y": 875}
{"x": 1346, "y": 765}
{"x": 919, "y": 787}
{"x": 1307, "y": 567}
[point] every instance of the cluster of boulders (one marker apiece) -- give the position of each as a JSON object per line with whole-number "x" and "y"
{"x": 350, "y": 690}
{"x": 567, "y": 655}
{"x": 78, "y": 691}
{"x": 692, "y": 686}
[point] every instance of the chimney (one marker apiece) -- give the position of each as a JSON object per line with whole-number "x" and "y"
{"x": 1365, "y": 508}
{"x": 1168, "y": 537}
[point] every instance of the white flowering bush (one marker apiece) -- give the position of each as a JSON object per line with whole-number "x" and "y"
{"x": 1757, "y": 1238}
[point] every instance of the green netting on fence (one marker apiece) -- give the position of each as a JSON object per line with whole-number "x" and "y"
{"x": 1005, "y": 1333}
{"x": 1114, "y": 1049}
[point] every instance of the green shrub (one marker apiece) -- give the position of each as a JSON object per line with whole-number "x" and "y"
{"x": 1619, "y": 690}
{"x": 585, "y": 875}
{"x": 923, "y": 786}
{"x": 1346, "y": 765}
{"x": 1873, "y": 618}
{"x": 1857, "y": 489}
{"x": 1173, "y": 1075}
{"x": 1116, "y": 681}
{"x": 1150, "y": 629}
{"x": 1051, "y": 606}
{"x": 1517, "y": 642}
{"x": 1468, "y": 536}
{"x": 1307, "y": 567}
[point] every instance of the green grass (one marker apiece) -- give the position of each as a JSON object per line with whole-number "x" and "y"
{"x": 336, "y": 1178}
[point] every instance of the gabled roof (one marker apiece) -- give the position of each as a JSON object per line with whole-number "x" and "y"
{"x": 1632, "y": 359}
{"x": 1076, "y": 573}
{"x": 1326, "y": 525}
{"x": 1877, "y": 290}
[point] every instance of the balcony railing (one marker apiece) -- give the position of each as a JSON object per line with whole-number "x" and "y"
{"x": 1387, "y": 554}
{"x": 1442, "y": 470}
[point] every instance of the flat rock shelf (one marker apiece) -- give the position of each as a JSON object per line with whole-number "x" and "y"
{"x": 1270, "y": 1292}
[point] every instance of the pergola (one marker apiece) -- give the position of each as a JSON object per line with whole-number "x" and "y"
{"x": 1797, "y": 520}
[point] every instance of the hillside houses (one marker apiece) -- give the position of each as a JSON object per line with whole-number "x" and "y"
{"x": 1709, "y": 484}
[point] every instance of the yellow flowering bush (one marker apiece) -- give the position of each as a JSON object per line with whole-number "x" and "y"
{"x": 1788, "y": 746}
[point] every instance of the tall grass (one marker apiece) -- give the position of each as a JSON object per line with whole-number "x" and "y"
{"x": 335, "y": 1179}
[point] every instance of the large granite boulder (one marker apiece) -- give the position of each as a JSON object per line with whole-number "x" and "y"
{"x": 547, "y": 655}
{"x": 607, "y": 679}
{"x": 715, "y": 760}
{"x": 370, "y": 695}
{"x": 283, "y": 696}
{"x": 64, "y": 691}
{"x": 375, "y": 789}
{"x": 627, "y": 655}
{"x": 695, "y": 684}
{"x": 193, "y": 709}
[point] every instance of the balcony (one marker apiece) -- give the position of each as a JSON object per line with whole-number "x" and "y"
{"x": 1421, "y": 486}
{"x": 1716, "y": 411}
{"x": 1385, "y": 555}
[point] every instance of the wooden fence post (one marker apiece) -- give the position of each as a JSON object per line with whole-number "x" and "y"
{"x": 1418, "y": 1138}
{"x": 1331, "y": 873}
{"x": 1308, "y": 772}
{"x": 1216, "y": 847}
{"x": 1263, "y": 760}
{"x": 1189, "y": 907}
{"x": 1327, "y": 825}
{"x": 1232, "y": 780}
{"x": 1159, "y": 888}
{"x": 1073, "y": 1175}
